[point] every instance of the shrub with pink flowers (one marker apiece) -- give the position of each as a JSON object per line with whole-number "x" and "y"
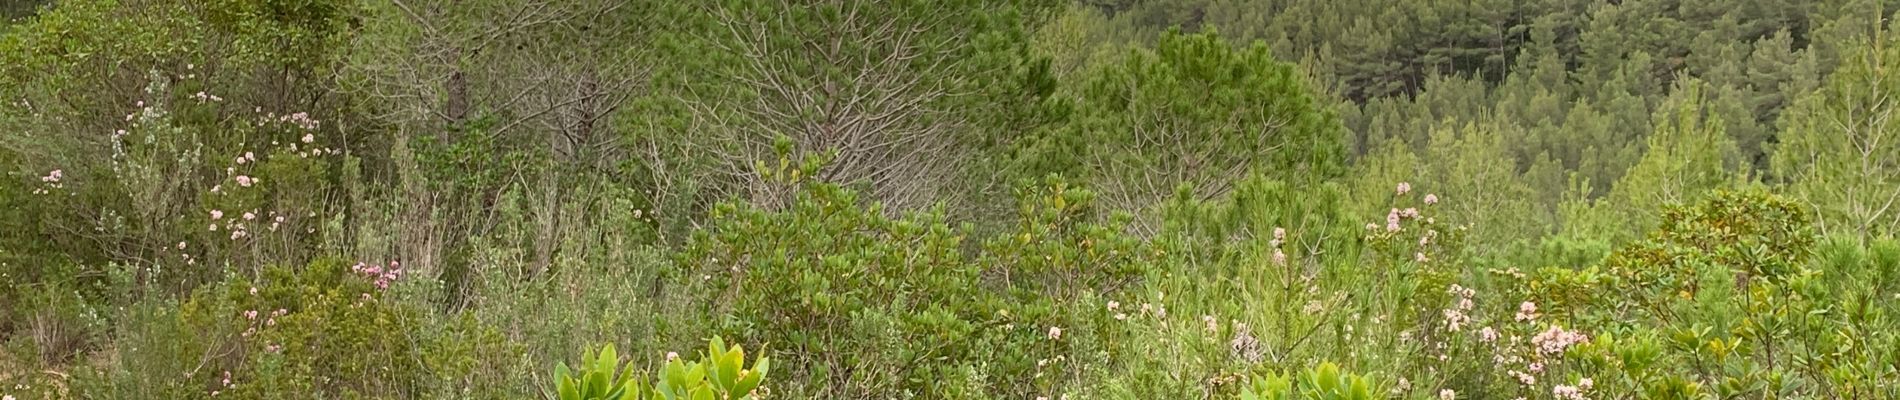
{"x": 323, "y": 330}
{"x": 999, "y": 199}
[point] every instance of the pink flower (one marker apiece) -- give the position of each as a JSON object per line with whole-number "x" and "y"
{"x": 1279, "y": 257}
{"x": 1112, "y": 305}
{"x": 1567, "y": 392}
{"x": 250, "y": 314}
{"x": 250, "y": 216}
{"x": 244, "y": 180}
{"x": 1431, "y": 199}
{"x": 1420, "y": 257}
{"x": 1055, "y": 333}
{"x": 1404, "y": 187}
{"x": 1455, "y": 320}
{"x": 1488, "y": 335}
{"x": 1555, "y": 340}
{"x": 216, "y": 214}
{"x": 1447, "y": 394}
{"x": 1526, "y": 311}
{"x": 308, "y": 138}
{"x": 1523, "y": 378}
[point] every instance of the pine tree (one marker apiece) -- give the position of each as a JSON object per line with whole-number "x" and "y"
{"x": 1840, "y": 147}
{"x": 1687, "y": 155}
{"x": 1198, "y": 112}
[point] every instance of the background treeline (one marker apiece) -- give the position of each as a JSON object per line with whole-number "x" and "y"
{"x": 953, "y": 198}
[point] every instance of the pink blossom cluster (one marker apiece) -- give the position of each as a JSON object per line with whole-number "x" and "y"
{"x": 52, "y": 180}
{"x": 1555, "y": 340}
{"x": 1572, "y": 392}
{"x": 1457, "y": 316}
{"x": 381, "y": 276}
{"x": 301, "y": 119}
{"x": 1526, "y": 312}
{"x": 1488, "y": 335}
{"x": 1523, "y": 378}
{"x": 225, "y": 383}
{"x": 237, "y": 225}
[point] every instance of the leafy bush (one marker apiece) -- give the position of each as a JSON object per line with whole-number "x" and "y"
{"x": 720, "y": 375}
{"x": 1324, "y": 382}
{"x": 322, "y": 331}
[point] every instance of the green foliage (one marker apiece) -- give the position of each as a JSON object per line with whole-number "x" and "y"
{"x": 831, "y": 276}
{"x": 1194, "y": 112}
{"x": 956, "y": 199}
{"x": 722, "y": 375}
{"x": 1324, "y": 382}
{"x": 1837, "y": 150}
{"x": 321, "y": 331}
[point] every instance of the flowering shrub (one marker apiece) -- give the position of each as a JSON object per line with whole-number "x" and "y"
{"x": 321, "y": 331}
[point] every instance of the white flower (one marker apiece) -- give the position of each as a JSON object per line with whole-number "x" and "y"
{"x": 1055, "y": 333}
{"x": 1447, "y": 394}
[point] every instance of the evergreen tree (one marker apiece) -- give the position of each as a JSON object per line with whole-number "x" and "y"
{"x": 1198, "y": 112}
{"x": 1840, "y": 147}
{"x": 1688, "y": 155}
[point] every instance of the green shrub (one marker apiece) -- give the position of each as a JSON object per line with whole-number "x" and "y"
{"x": 1324, "y": 382}
{"x": 721, "y": 374}
{"x": 325, "y": 330}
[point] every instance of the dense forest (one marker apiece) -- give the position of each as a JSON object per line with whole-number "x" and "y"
{"x": 949, "y": 199}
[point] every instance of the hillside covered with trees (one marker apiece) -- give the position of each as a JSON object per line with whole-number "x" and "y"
{"x": 949, "y": 199}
